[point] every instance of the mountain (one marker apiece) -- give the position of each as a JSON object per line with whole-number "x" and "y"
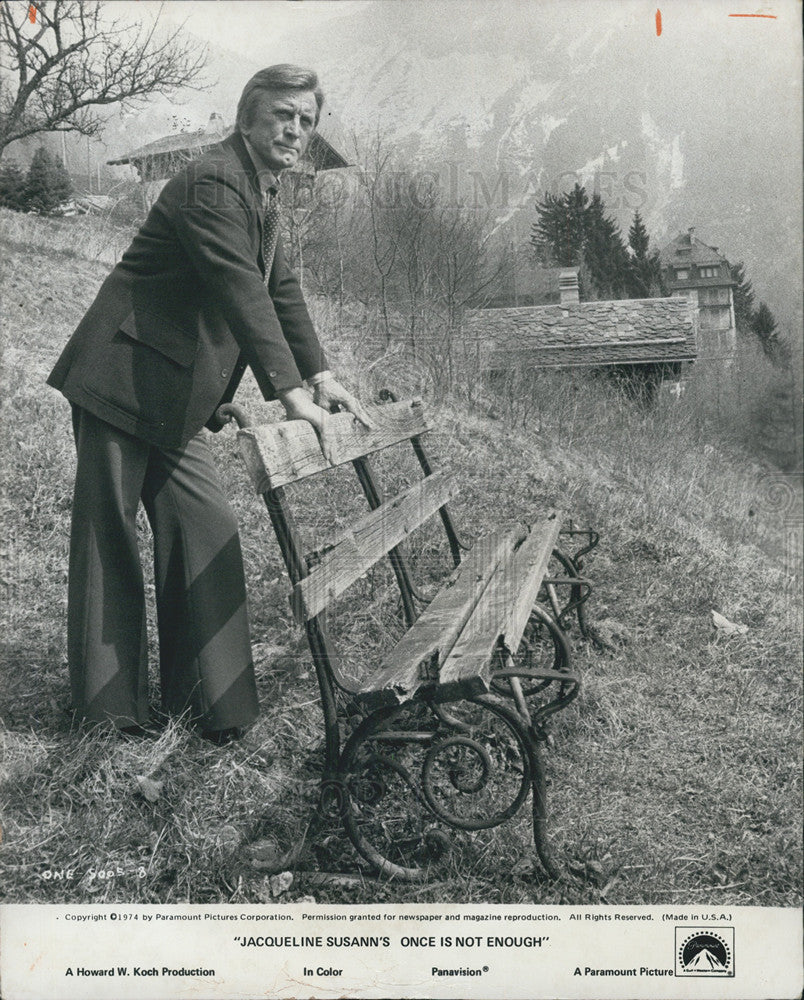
{"x": 700, "y": 126}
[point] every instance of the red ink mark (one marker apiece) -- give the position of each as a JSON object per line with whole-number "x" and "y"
{"x": 32, "y": 14}
{"x": 772, "y": 16}
{"x": 658, "y": 22}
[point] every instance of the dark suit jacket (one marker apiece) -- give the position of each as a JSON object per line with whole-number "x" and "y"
{"x": 173, "y": 327}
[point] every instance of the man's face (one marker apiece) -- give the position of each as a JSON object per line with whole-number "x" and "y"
{"x": 282, "y": 126}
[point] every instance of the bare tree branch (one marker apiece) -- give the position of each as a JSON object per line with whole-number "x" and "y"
{"x": 58, "y": 72}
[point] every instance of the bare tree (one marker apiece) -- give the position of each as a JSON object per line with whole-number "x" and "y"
{"x": 64, "y": 60}
{"x": 332, "y": 235}
{"x": 410, "y": 220}
{"x": 342, "y": 225}
{"x": 299, "y": 211}
{"x": 469, "y": 269}
{"x": 375, "y": 159}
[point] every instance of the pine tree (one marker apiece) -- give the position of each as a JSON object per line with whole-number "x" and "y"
{"x": 638, "y": 238}
{"x": 557, "y": 235}
{"x": 12, "y": 187}
{"x": 47, "y": 184}
{"x": 572, "y": 231}
{"x": 544, "y": 234}
{"x": 767, "y": 332}
{"x": 645, "y": 268}
{"x": 743, "y": 299}
{"x": 604, "y": 252}
{"x": 760, "y": 323}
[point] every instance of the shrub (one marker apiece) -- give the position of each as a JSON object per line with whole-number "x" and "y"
{"x": 47, "y": 184}
{"x": 12, "y": 187}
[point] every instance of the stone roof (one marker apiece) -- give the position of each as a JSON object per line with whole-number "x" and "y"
{"x": 626, "y": 331}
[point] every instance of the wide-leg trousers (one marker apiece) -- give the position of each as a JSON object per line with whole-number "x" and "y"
{"x": 206, "y": 668}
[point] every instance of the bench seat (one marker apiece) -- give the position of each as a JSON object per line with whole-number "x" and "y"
{"x": 447, "y": 654}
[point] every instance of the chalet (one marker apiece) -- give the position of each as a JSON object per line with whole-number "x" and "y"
{"x": 660, "y": 332}
{"x": 157, "y": 161}
{"x": 700, "y": 273}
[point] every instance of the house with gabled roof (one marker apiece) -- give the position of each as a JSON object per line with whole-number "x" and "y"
{"x": 700, "y": 273}
{"x": 159, "y": 160}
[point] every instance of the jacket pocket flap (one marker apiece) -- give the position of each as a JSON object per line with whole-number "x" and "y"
{"x": 162, "y": 335}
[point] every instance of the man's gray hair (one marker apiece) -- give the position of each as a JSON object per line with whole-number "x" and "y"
{"x": 283, "y": 76}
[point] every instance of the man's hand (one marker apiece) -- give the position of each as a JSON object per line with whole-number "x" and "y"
{"x": 329, "y": 392}
{"x": 299, "y": 406}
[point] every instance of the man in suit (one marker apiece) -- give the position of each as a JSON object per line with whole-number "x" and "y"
{"x": 202, "y": 292}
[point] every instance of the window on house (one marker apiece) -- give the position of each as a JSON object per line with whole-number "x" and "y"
{"x": 709, "y": 272}
{"x": 682, "y": 273}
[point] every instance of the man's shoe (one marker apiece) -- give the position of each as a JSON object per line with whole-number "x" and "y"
{"x": 222, "y": 737}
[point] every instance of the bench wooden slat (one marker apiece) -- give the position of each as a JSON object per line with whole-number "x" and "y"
{"x": 413, "y": 663}
{"x": 278, "y": 454}
{"x": 503, "y": 610}
{"x": 374, "y": 535}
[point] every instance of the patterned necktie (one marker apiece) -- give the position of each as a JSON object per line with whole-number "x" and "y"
{"x": 270, "y": 231}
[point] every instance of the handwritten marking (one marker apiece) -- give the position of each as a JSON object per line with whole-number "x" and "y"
{"x": 658, "y": 22}
{"x": 772, "y": 16}
{"x": 32, "y": 14}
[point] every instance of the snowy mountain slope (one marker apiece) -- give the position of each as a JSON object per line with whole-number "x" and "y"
{"x": 700, "y": 126}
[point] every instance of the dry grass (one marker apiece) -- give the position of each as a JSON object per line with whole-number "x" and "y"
{"x": 674, "y": 777}
{"x": 91, "y": 237}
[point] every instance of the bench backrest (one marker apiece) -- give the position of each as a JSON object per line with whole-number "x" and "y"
{"x": 277, "y": 455}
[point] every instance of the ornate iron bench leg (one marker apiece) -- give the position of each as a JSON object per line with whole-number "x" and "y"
{"x": 580, "y": 591}
{"x": 539, "y": 791}
{"x": 410, "y": 775}
{"x": 368, "y": 780}
{"x": 523, "y": 677}
{"x": 572, "y": 565}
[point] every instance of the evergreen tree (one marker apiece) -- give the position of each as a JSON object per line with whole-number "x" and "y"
{"x": 638, "y": 238}
{"x": 544, "y": 234}
{"x": 587, "y": 288}
{"x": 604, "y": 252}
{"x": 760, "y": 323}
{"x": 743, "y": 299}
{"x": 767, "y": 332}
{"x": 557, "y": 235}
{"x": 12, "y": 187}
{"x": 47, "y": 184}
{"x": 574, "y": 231}
{"x": 645, "y": 268}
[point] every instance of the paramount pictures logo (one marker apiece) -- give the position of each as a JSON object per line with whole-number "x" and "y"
{"x": 706, "y": 952}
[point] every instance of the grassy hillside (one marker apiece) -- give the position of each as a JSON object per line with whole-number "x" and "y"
{"x": 674, "y": 777}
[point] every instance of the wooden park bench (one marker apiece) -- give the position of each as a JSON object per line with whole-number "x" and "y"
{"x": 446, "y": 733}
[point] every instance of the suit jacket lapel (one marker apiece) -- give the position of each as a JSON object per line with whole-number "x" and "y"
{"x": 238, "y": 147}
{"x": 235, "y": 143}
